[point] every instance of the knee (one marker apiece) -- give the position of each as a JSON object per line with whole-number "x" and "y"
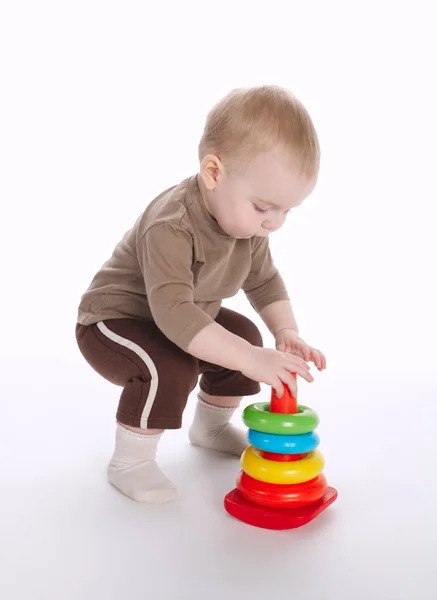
{"x": 180, "y": 372}
{"x": 249, "y": 331}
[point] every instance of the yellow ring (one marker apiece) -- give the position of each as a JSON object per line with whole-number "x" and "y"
{"x": 271, "y": 471}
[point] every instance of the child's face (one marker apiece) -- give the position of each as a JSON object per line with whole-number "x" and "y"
{"x": 254, "y": 199}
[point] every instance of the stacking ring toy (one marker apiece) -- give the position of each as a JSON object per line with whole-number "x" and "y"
{"x": 258, "y": 416}
{"x": 283, "y": 444}
{"x": 272, "y": 471}
{"x": 281, "y": 496}
{"x": 281, "y": 484}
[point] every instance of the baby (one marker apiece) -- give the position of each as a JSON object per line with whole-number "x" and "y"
{"x": 151, "y": 320}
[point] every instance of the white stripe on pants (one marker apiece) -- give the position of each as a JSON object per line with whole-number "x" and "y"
{"x": 148, "y": 362}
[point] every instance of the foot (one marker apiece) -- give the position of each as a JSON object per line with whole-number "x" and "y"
{"x": 133, "y": 469}
{"x": 142, "y": 481}
{"x": 226, "y": 438}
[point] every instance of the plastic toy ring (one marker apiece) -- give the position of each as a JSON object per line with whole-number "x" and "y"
{"x": 272, "y": 471}
{"x": 283, "y": 444}
{"x": 258, "y": 416}
{"x": 281, "y": 496}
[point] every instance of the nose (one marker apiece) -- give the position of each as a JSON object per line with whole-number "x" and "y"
{"x": 274, "y": 222}
{"x": 268, "y": 225}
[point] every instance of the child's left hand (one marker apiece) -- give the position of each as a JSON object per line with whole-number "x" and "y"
{"x": 288, "y": 340}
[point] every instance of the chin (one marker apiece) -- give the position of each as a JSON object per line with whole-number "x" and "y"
{"x": 238, "y": 235}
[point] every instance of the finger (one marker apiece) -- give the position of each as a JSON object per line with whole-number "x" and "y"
{"x": 279, "y": 388}
{"x": 322, "y": 361}
{"x": 281, "y": 347}
{"x": 296, "y": 360}
{"x": 323, "y": 358}
{"x": 315, "y": 356}
{"x": 306, "y": 352}
{"x": 288, "y": 379}
{"x": 302, "y": 371}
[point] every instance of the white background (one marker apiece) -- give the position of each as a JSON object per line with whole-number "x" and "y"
{"x": 102, "y": 107}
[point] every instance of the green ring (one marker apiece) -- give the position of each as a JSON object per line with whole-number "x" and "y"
{"x": 258, "y": 417}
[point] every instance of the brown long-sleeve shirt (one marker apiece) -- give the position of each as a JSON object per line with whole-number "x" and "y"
{"x": 176, "y": 265}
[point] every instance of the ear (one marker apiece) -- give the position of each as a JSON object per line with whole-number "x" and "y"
{"x": 211, "y": 168}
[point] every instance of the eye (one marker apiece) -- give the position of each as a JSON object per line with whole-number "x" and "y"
{"x": 261, "y": 210}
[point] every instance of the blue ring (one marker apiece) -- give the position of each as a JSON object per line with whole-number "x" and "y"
{"x": 283, "y": 444}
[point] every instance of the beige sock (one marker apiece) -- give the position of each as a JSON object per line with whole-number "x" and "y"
{"x": 133, "y": 469}
{"x": 211, "y": 429}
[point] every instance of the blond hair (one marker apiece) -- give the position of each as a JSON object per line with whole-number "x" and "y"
{"x": 248, "y": 121}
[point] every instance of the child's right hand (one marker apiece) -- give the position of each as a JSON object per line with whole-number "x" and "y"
{"x": 274, "y": 368}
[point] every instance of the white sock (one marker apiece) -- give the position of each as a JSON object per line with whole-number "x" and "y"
{"x": 133, "y": 469}
{"x": 211, "y": 429}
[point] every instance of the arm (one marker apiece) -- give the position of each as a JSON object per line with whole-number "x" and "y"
{"x": 266, "y": 292}
{"x": 165, "y": 254}
{"x": 280, "y": 320}
{"x": 265, "y": 288}
{"x": 279, "y": 315}
{"x": 217, "y": 345}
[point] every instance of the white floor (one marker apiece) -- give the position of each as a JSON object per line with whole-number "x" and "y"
{"x": 67, "y": 534}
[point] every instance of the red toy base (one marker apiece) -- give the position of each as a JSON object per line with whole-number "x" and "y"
{"x": 276, "y": 518}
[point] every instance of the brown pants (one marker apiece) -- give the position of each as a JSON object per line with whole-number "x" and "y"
{"x": 157, "y": 376}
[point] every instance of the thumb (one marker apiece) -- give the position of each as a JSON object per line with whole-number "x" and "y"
{"x": 280, "y": 347}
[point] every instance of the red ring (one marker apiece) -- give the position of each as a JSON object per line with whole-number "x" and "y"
{"x": 280, "y": 495}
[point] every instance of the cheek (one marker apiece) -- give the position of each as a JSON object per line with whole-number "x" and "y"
{"x": 240, "y": 221}
{"x": 233, "y": 208}
{"x": 237, "y": 221}
{"x": 245, "y": 214}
